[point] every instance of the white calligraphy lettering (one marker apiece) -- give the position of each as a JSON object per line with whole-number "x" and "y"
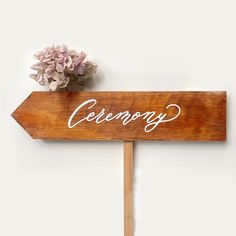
{"x": 126, "y": 117}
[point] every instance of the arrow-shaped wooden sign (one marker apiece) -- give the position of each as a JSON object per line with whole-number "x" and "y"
{"x": 177, "y": 116}
{"x": 128, "y": 116}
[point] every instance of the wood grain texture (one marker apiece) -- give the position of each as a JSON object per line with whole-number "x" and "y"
{"x": 44, "y": 115}
{"x": 128, "y": 188}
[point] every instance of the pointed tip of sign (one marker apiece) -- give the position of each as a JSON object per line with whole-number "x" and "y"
{"x": 13, "y": 115}
{"x": 17, "y": 116}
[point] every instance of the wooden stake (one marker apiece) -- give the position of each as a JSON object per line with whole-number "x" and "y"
{"x": 128, "y": 188}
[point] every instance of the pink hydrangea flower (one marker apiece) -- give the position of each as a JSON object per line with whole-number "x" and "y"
{"x": 57, "y": 65}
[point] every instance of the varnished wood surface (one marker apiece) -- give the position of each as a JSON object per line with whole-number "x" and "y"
{"x": 44, "y": 115}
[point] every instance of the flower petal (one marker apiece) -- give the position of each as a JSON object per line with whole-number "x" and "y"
{"x": 53, "y": 85}
{"x": 59, "y": 68}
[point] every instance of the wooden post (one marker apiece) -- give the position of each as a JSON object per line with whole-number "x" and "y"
{"x": 128, "y": 188}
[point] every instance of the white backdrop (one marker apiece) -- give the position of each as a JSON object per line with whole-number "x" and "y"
{"x": 76, "y": 188}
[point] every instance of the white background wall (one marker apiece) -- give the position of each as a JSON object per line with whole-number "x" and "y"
{"x": 76, "y": 188}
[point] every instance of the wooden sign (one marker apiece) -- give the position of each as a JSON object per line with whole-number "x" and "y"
{"x": 177, "y": 116}
{"x": 128, "y": 116}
